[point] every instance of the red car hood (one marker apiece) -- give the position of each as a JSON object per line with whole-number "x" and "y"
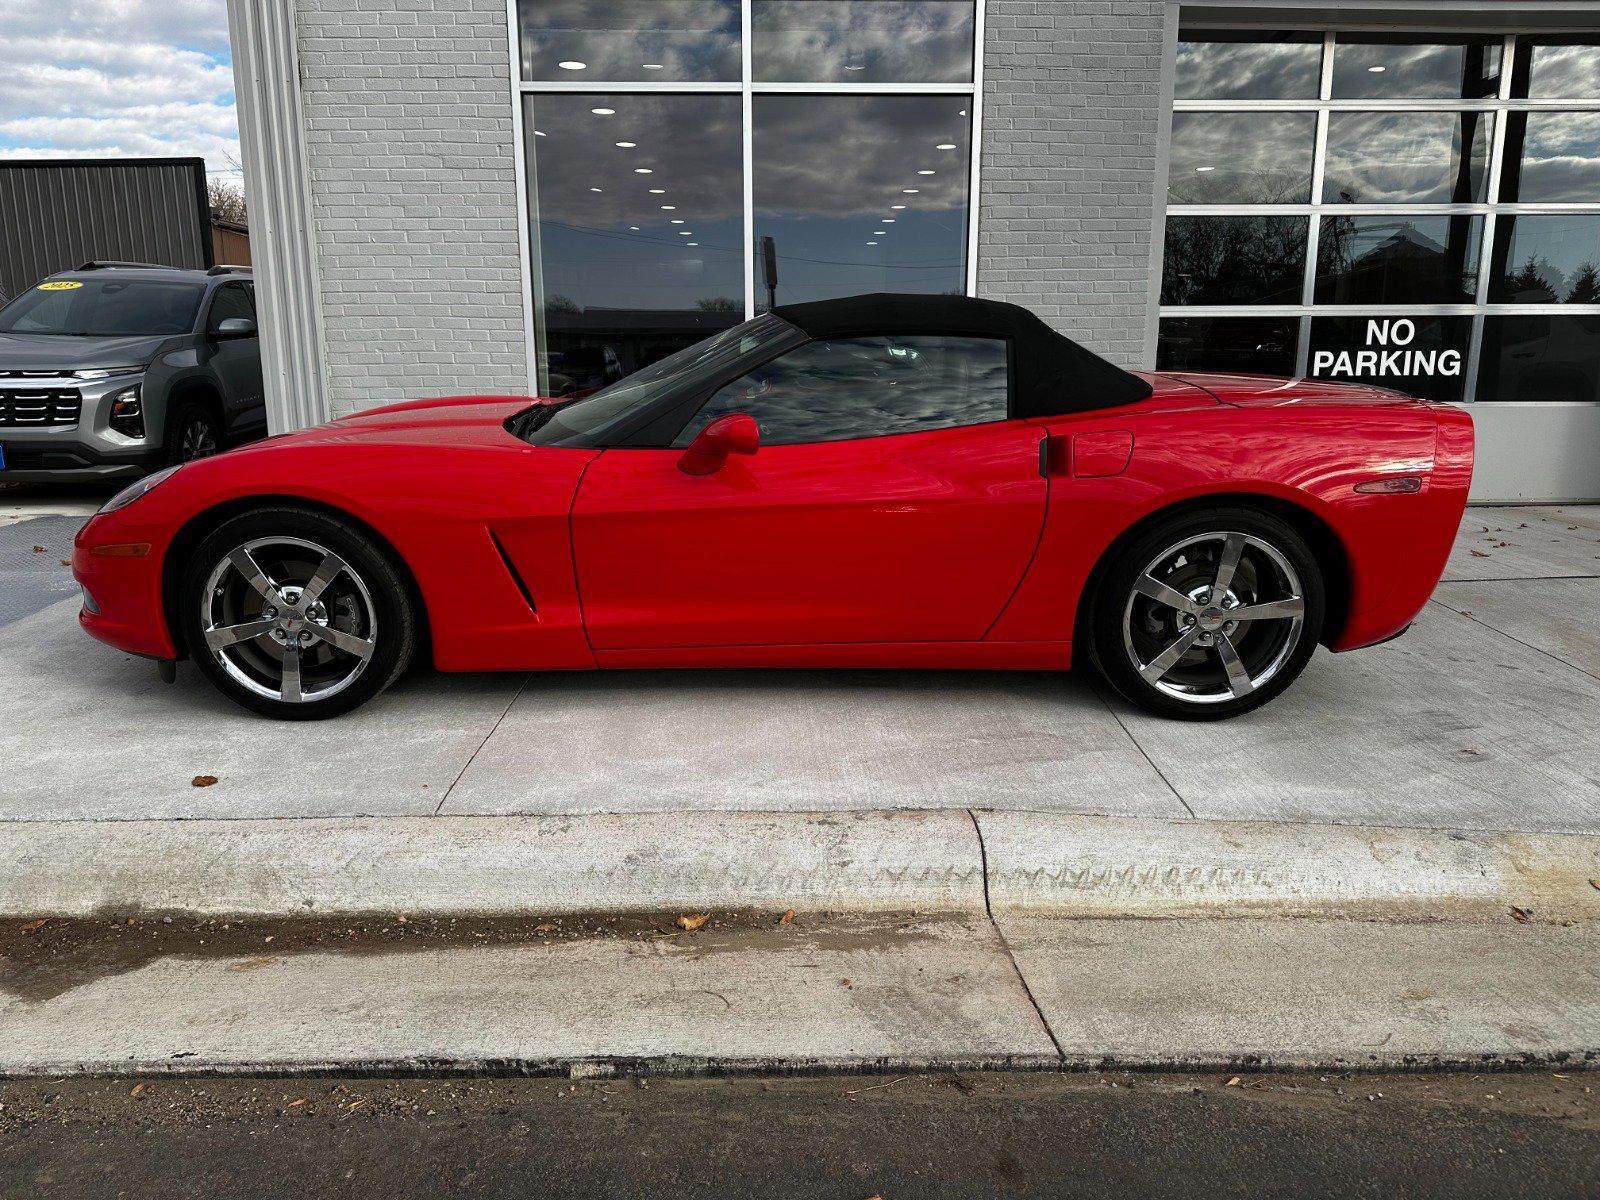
{"x": 1265, "y": 391}
{"x": 449, "y": 420}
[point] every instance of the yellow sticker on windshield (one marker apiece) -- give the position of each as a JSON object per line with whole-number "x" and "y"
{"x": 60, "y": 285}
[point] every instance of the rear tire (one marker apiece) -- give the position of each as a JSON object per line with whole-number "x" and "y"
{"x": 1164, "y": 638}
{"x": 296, "y": 614}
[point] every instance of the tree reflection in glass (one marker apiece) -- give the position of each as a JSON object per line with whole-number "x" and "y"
{"x": 1398, "y": 260}
{"x": 1546, "y": 260}
{"x": 1233, "y": 260}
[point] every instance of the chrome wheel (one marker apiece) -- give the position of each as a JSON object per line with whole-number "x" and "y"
{"x": 288, "y": 619}
{"x": 1213, "y": 617}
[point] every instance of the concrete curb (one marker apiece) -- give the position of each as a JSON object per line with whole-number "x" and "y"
{"x": 852, "y": 862}
{"x": 1090, "y": 867}
{"x": 904, "y": 861}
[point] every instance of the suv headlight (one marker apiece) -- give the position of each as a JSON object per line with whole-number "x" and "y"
{"x": 127, "y": 411}
{"x": 138, "y": 488}
{"x": 106, "y": 372}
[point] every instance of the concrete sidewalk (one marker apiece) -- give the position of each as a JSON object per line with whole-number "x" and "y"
{"x": 1482, "y": 717}
{"x": 817, "y": 994}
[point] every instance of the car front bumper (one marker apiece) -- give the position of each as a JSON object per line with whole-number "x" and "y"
{"x": 117, "y": 563}
{"x": 51, "y": 442}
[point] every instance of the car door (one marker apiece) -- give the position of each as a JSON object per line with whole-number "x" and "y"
{"x": 235, "y": 361}
{"x": 891, "y": 500}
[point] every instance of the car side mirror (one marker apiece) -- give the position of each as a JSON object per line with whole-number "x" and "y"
{"x": 736, "y": 433}
{"x": 236, "y": 327}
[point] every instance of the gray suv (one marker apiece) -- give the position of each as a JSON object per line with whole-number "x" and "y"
{"x": 115, "y": 369}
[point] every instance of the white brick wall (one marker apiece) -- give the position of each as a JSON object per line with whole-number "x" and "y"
{"x": 410, "y": 141}
{"x": 1073, "y": 115}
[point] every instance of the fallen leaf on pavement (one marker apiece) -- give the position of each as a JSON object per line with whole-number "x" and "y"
{"x": 849, "y": 983}
{"x": 545, "y": 928}
{"x": 1520, "y": 915}
{"x": 38, "y": 549}
{"x": 694, "y": 922}
{"x": 297, "y": 1103}
{"x": 66, "y": 562}
{"x": 203, "y": 780}
{"x": 1234, "y": 1082}
{"x": 789, "y": 916}
{"x": 1595, "y": 883}
{"x": 1479, "y": 554}
{"x": 137, "y": 1089}
{"x": 32, "y": 925}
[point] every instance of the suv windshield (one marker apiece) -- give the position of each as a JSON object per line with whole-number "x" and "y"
{"x": 581, "y": 422}
{"x": 104, "y": 308}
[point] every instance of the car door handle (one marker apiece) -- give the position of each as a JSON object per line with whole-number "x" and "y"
{"x": 1054, "y": 455}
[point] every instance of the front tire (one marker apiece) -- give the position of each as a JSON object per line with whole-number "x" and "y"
{"x": 1208, "y": 614}
{"x": 192, "y": 432}
{"x": 296, "y": 614}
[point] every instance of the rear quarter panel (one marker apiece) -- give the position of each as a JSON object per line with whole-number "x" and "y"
{"x": 1310, "y": 456}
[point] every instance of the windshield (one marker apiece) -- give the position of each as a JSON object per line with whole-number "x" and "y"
{"x": 104, "y": 308}
{"x": 581, "y": 422}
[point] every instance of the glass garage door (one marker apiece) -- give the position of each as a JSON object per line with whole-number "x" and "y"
{"x": 1416, "y": 211}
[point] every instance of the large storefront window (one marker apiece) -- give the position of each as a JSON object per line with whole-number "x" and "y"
{"x": 1413, "y": 210}
{"x": 664, "y": 139}
{"x": 895, "y": 222}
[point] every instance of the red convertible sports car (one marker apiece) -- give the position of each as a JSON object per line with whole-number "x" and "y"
{"x": 882, "y": 481}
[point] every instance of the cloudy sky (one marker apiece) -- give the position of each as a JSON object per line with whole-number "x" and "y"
{"x": 89, "y": 78}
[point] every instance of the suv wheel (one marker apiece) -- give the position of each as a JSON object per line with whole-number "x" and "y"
{"x": 296, "y": 614}
{"x": 192, "y": 433}
{"x": 1208, "y": 615}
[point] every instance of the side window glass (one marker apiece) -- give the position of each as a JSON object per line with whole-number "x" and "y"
{"x": 844, "y": 388}
{"x": 230, "y": 301}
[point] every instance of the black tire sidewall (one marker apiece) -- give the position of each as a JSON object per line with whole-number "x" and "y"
{"x": 177, "y": 419}
{"x": 396, "y": 620}
{"x": 1111, "y": 594}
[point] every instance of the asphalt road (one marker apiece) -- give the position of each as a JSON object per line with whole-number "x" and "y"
{"x": 851, "y": 1137}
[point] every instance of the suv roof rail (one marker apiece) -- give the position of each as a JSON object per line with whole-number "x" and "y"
{"x": 109, "y": 264}
{"x": 228, "y": 269}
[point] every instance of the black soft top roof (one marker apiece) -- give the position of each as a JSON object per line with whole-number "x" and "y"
{"x": 1053, "y": 373}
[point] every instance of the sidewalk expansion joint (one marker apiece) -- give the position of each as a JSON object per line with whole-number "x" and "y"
{"x": 1000, "y": 935}
{"x": 466, "y": 766}
{"x": 1128, "y": 733}
{"x": 1467, "y": 614}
